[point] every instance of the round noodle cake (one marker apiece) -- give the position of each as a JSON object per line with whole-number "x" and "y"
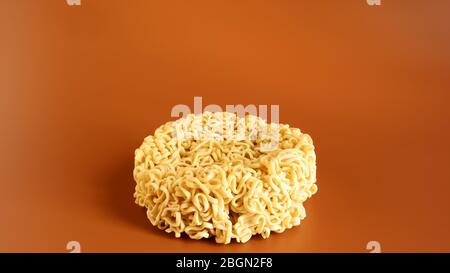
{"x": 222, "y": 181}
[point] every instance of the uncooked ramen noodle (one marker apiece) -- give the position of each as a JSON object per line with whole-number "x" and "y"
{"x": 214, "y": 175}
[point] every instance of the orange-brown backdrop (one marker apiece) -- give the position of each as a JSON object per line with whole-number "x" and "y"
{"x": 81, "y": 86}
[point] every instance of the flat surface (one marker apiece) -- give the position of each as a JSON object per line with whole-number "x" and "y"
{"x": 81, "y": 86}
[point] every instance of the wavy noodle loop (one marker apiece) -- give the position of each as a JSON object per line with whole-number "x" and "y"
{"x": 214, "y": 175}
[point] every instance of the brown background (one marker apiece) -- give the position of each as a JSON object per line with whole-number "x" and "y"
{"x": 82, "y": 86}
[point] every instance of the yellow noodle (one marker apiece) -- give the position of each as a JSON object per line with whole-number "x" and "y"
{"x": 213, "y": 175}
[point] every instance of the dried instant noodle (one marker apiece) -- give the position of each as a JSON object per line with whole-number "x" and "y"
{"x": 222, "y": 181}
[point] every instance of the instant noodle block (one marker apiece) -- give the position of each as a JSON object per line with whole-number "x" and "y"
{"x": 223, "y": 176}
